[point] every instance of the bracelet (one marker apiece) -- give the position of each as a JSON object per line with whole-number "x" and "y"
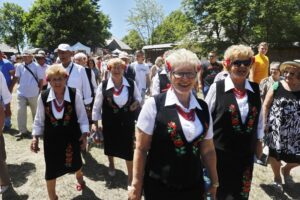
{"x": 215, "y": 185}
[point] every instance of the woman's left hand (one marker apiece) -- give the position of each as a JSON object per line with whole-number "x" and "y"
{"x": 83, "y": 141}
{"x": 259, "y": 149}
{"x": 134, "y": 106}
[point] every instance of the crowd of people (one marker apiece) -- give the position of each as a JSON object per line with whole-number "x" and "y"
{"x": 173, "y": 123}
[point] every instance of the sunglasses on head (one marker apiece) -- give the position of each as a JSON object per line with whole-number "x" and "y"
{"x": 238, "y": 63}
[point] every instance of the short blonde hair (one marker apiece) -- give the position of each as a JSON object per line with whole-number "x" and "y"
{"x": 182, "y": 57}
{"x": 56, "y": 70}
{"x": 115, "y": 62}
{"x": 238, "y": 51}
{"x": 159, "y": 61}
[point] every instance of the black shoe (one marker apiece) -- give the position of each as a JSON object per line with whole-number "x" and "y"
{"x": 19, "y": 135}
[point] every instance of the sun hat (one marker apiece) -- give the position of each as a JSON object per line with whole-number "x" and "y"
{"x": 64, "y": 47}
{"x": 295, "y": 63}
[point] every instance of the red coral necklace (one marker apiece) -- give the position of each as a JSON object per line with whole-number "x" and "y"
{"x": 117, "y": 92}
{"x": 239, "y": 93}
{"x": 58, "y": 107}
{"x": 190, "y": 116}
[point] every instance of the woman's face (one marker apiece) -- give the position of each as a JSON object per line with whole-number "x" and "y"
{"x": 91, "y": 64}
{"x": 117, "y": 71}
{"x": 183, "y": 78}
{"x": 58, "y": 82}
{"x": 240, "y": 68}
{"x": 291, "y": 75}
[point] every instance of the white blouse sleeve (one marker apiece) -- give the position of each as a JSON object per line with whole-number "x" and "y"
{"x": 137, "y": 94}
{"x": 210, "y": 98}
{"x": 5, "y": 94}
{"x": 39, "y": 119}
{"x": 97, "y": 108}
{"x": 155, "y": 85}
{"x": 260, "y": 126}
{"x": 210, "y": 133}
{"x": 81, "y": 113}
{"x": 147, "y": 116}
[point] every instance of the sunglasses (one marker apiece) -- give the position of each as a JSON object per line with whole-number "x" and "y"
{"x": 189, "y": 75}
{"x": 238, "y": 63}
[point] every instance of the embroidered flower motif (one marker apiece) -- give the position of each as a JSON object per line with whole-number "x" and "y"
{"x": 247, "y": 178}
{"x": 234, "y": 118}
{"x": 196, "y": 144}
{"x": 53, "y": 120}
{"x": 67, "y": 115}
{"x": 69, "y": 155}
{"x": 115, "y": 108}
{"x": 180, "y": 149}
{"x": 252, "y": 116}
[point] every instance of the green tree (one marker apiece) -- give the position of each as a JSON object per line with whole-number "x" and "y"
{"x": 145, "y": 17}
{"x": 51, "y": 22}
{"x": 173, "y": 28}
{"x": 11, "y": 25}
{"x": 134, "y": 40}
{"x": 243, "y": 21}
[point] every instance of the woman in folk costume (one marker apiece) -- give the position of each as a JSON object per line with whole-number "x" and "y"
{"x": 174, "y": 139}
{"x": 116, "y": 100}
{"x": 238, "y": 127}
{"x": 62, "y": 119}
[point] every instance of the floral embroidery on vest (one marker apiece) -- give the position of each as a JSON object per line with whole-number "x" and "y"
{"x": 116, "y": 108}
{"x": 66, "y": 118}
{"x": 176, "y": 138}
{"x": 234, "y": 118}
{"x": 247, "y": 178}
{"x": 196, "y": 144}
{"x": 236, "y": 122}
{"x": 252, "y": 117}
{"x": 69, "y": 155}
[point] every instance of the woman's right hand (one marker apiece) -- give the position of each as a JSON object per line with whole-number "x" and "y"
{"x": 94, "y": 128}
{"x": 133, "y": 194}
{"x": 34, "y": 145}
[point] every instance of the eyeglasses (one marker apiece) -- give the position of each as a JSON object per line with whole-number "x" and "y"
{"x": 238, "y": 63}
{"x": 211, "y": 56}
{"x": 189, "y": 75}
{"x": 60, "y": 79}
{"x": 290, "y": 73}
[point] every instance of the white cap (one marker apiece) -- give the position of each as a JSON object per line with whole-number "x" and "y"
{"x": 64, "y": 47}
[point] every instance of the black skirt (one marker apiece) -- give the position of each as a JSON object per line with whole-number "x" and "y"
{"x": 62, "y": 154}
{"x": 235, "y": 175}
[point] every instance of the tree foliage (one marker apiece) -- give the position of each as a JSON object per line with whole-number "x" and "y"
{"x": 173, "y": 28}
{"x": 134, "y": 40}
{"x": 243, "y": 21}
{"x": 145, "y": 17}
{"x": 51, "y": 22}
{"x": 11, "y": 25}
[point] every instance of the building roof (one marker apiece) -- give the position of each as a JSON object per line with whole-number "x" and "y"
{"x": 7, "y": 49}
{"x": 120, "y": 43}
{"x": 159, "y": 46}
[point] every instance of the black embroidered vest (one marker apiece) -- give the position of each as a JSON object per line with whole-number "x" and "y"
{"x": 110, "y": 110}
{"x": 171, "y": 158}
{"x": 68, "y": 125}
{"x": 164, "y": 82}
{"x": 230, "y": 134}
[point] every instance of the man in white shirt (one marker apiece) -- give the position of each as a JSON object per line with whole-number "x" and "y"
{"x": 77, "y": 75}
{"x": 141, "y": 74}
{"x": 41, "y": 60}
{"x": 30, "y": 82}
{"x": 5, "y": 97}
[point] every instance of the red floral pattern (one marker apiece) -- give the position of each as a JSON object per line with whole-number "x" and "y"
{"x": 180, "y": 149}
{"x": 66, "y": 117}
{"x": 252, "y": 115}
{"x": 69, "y": 156}
{"x": 247, "y": 178}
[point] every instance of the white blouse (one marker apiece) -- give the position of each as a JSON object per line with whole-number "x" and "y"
{"x": 4, "y": 92}
{"x": 242, "y": 103}
{"x": 120, "y": 100}
{"x": 191, "y": 129}
{"x": 39, "y": 120}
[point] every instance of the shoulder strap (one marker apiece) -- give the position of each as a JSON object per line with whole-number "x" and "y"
{"x": 89, "y": 75}
{"x": 35, "y": 78}
{"x": 44, "y": 95}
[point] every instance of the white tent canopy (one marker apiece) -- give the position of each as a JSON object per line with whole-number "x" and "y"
{"x": 117, "y": 51}
{"x": 80, "y": 47}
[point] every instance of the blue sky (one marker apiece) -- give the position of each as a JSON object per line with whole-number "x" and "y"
{"x": 118, "y": 11}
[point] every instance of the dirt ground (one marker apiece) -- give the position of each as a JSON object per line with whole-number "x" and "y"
{"x": 27, "y": 170}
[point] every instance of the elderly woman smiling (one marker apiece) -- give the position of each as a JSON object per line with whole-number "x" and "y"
{"x": 174, "y": 130}
{"x": 238, "y": 128}
{"x": 281, "y": 113}
{"x": 62, "y": 119}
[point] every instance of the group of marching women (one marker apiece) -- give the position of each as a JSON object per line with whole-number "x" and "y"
{"x": 177, "y": 135}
